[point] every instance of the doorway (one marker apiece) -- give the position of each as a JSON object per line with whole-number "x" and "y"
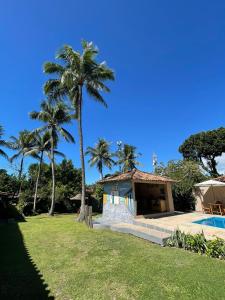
{"x": 150, "y": 198}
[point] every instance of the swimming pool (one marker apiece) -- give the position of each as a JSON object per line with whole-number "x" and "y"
{"x": 214, "y": 221}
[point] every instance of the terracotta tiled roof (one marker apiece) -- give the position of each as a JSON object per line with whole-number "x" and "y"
{"x": 137, "y": 175}
{"x": 220, "y": 178}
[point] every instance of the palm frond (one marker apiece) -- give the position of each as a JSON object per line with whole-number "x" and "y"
{"x": 54, "y": 90}
{"x": 58, "y": 153}
{"x": 68, "y": 136}
{"x": 3, "y": 154}
{"x": 95, "y": 94}
{"x": 51, "y": 68}
{"x": 15, "y": 156}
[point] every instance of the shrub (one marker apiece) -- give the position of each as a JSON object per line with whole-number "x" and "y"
{"x": 177, "y": 239}
{"x": 25, "y": 202}
{"x": 198, "y": 243}
{"x": 216, "y": 248}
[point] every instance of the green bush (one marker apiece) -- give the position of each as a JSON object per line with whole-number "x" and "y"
{"x": 24, "y": 205}
{"x": 177, "y": 239}
{"x": 216, "y": 248}
{"x": 198, "y": 243}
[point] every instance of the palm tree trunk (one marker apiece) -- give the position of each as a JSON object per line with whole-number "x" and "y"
{"x": 51, "y": 211}
{"x": 83, "y": 210}
{"x": 37, "y": 182}
{"x": 20, "y": 174}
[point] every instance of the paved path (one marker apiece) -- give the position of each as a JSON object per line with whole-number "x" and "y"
{"x": 158, "y": 230}
{"x": 184, "y": 223}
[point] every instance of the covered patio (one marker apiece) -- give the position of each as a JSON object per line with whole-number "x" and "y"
{"x": 210, "y": 196}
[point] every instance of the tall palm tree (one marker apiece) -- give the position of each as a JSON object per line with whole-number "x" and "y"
{"x": 42, "y": 146}
{"x": 22, "y": 144}
{"x": 100, "y": 156}
{"x": 75, "y": 72}
{"x": 128, "y": 158}
{"x": 54, "y": 116}
{"x": 2, "y": 143}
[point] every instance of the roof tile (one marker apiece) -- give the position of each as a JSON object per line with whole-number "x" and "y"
{"x": 137, "y": 175}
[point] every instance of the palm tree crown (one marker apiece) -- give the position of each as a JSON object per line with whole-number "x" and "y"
{"x": 22, "y": 144}
{"x": 54, "y": 116}
{"x": 42, "y": 145}
{"x": 127, "y": 158}
{"x": 100, "y": 156}
{"x": 75, "y": 71}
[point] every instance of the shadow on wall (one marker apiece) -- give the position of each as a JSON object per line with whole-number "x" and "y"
{"x": 19, "y": 276}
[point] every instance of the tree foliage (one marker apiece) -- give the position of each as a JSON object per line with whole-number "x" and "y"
{"x": 68, "y": 184}
{"x": 8, "y": 183}
{"x": 204, "y": 147}
{"x": 127, "y": 158}
{"x": 186, "y": 173}
{"x": 100, "y": 156}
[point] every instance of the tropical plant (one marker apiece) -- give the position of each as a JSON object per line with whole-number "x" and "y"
{"x": 100, "y": 156}
{"x": 76, "y": 72}
{"x": 128, "y": 158}
{"x": 42, "y": 145}
{"x": 216, "y": 248}
{"x": 54, "y": 115}
{"x": 23, "y": 144}
{"x": 2, "y": 143}
{"x": 197, "y": 243}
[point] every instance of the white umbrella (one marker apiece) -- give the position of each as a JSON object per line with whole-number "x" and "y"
{"x": 210, "y": 183}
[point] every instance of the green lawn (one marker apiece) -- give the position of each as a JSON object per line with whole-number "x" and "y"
{"x": 73, "y": 262}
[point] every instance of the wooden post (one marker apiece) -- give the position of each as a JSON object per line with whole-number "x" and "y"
{"x": 134, "y": 198}
{"x": 169, "y": 197}
{"x": 90, "y": 223}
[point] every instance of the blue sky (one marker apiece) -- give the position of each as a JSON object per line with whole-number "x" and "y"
{"x": 168, "y": 57}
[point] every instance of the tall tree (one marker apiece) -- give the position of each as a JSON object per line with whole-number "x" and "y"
{"x": 2, "y": 143}
{"x": 128, "y": 158}
{"x": 100, "y": 156}
{"x": 42, "y": 146}
{"x": 187, "y": 174}
{"x": 23, "y": 144}
{"x": 75, "y": 72}
{"x": 204, "y": 147}
{"x": 54, "y": 115}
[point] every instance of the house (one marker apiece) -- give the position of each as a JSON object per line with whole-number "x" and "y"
{"x": 135, "y": 193}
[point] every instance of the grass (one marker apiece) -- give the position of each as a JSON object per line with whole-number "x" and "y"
{"x": 57, "y": 258}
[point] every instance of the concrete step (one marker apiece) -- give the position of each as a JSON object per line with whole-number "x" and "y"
{"x": 149, "y": 234}
{"x": 144, "y": 223}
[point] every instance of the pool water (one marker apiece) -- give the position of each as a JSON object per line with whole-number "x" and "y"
{"x": 214, "y": 221}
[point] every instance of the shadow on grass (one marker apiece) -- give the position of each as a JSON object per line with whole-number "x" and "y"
{"x": 19, "y": 276}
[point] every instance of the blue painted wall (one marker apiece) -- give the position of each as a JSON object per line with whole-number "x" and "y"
{"x": 125, "y": 194}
